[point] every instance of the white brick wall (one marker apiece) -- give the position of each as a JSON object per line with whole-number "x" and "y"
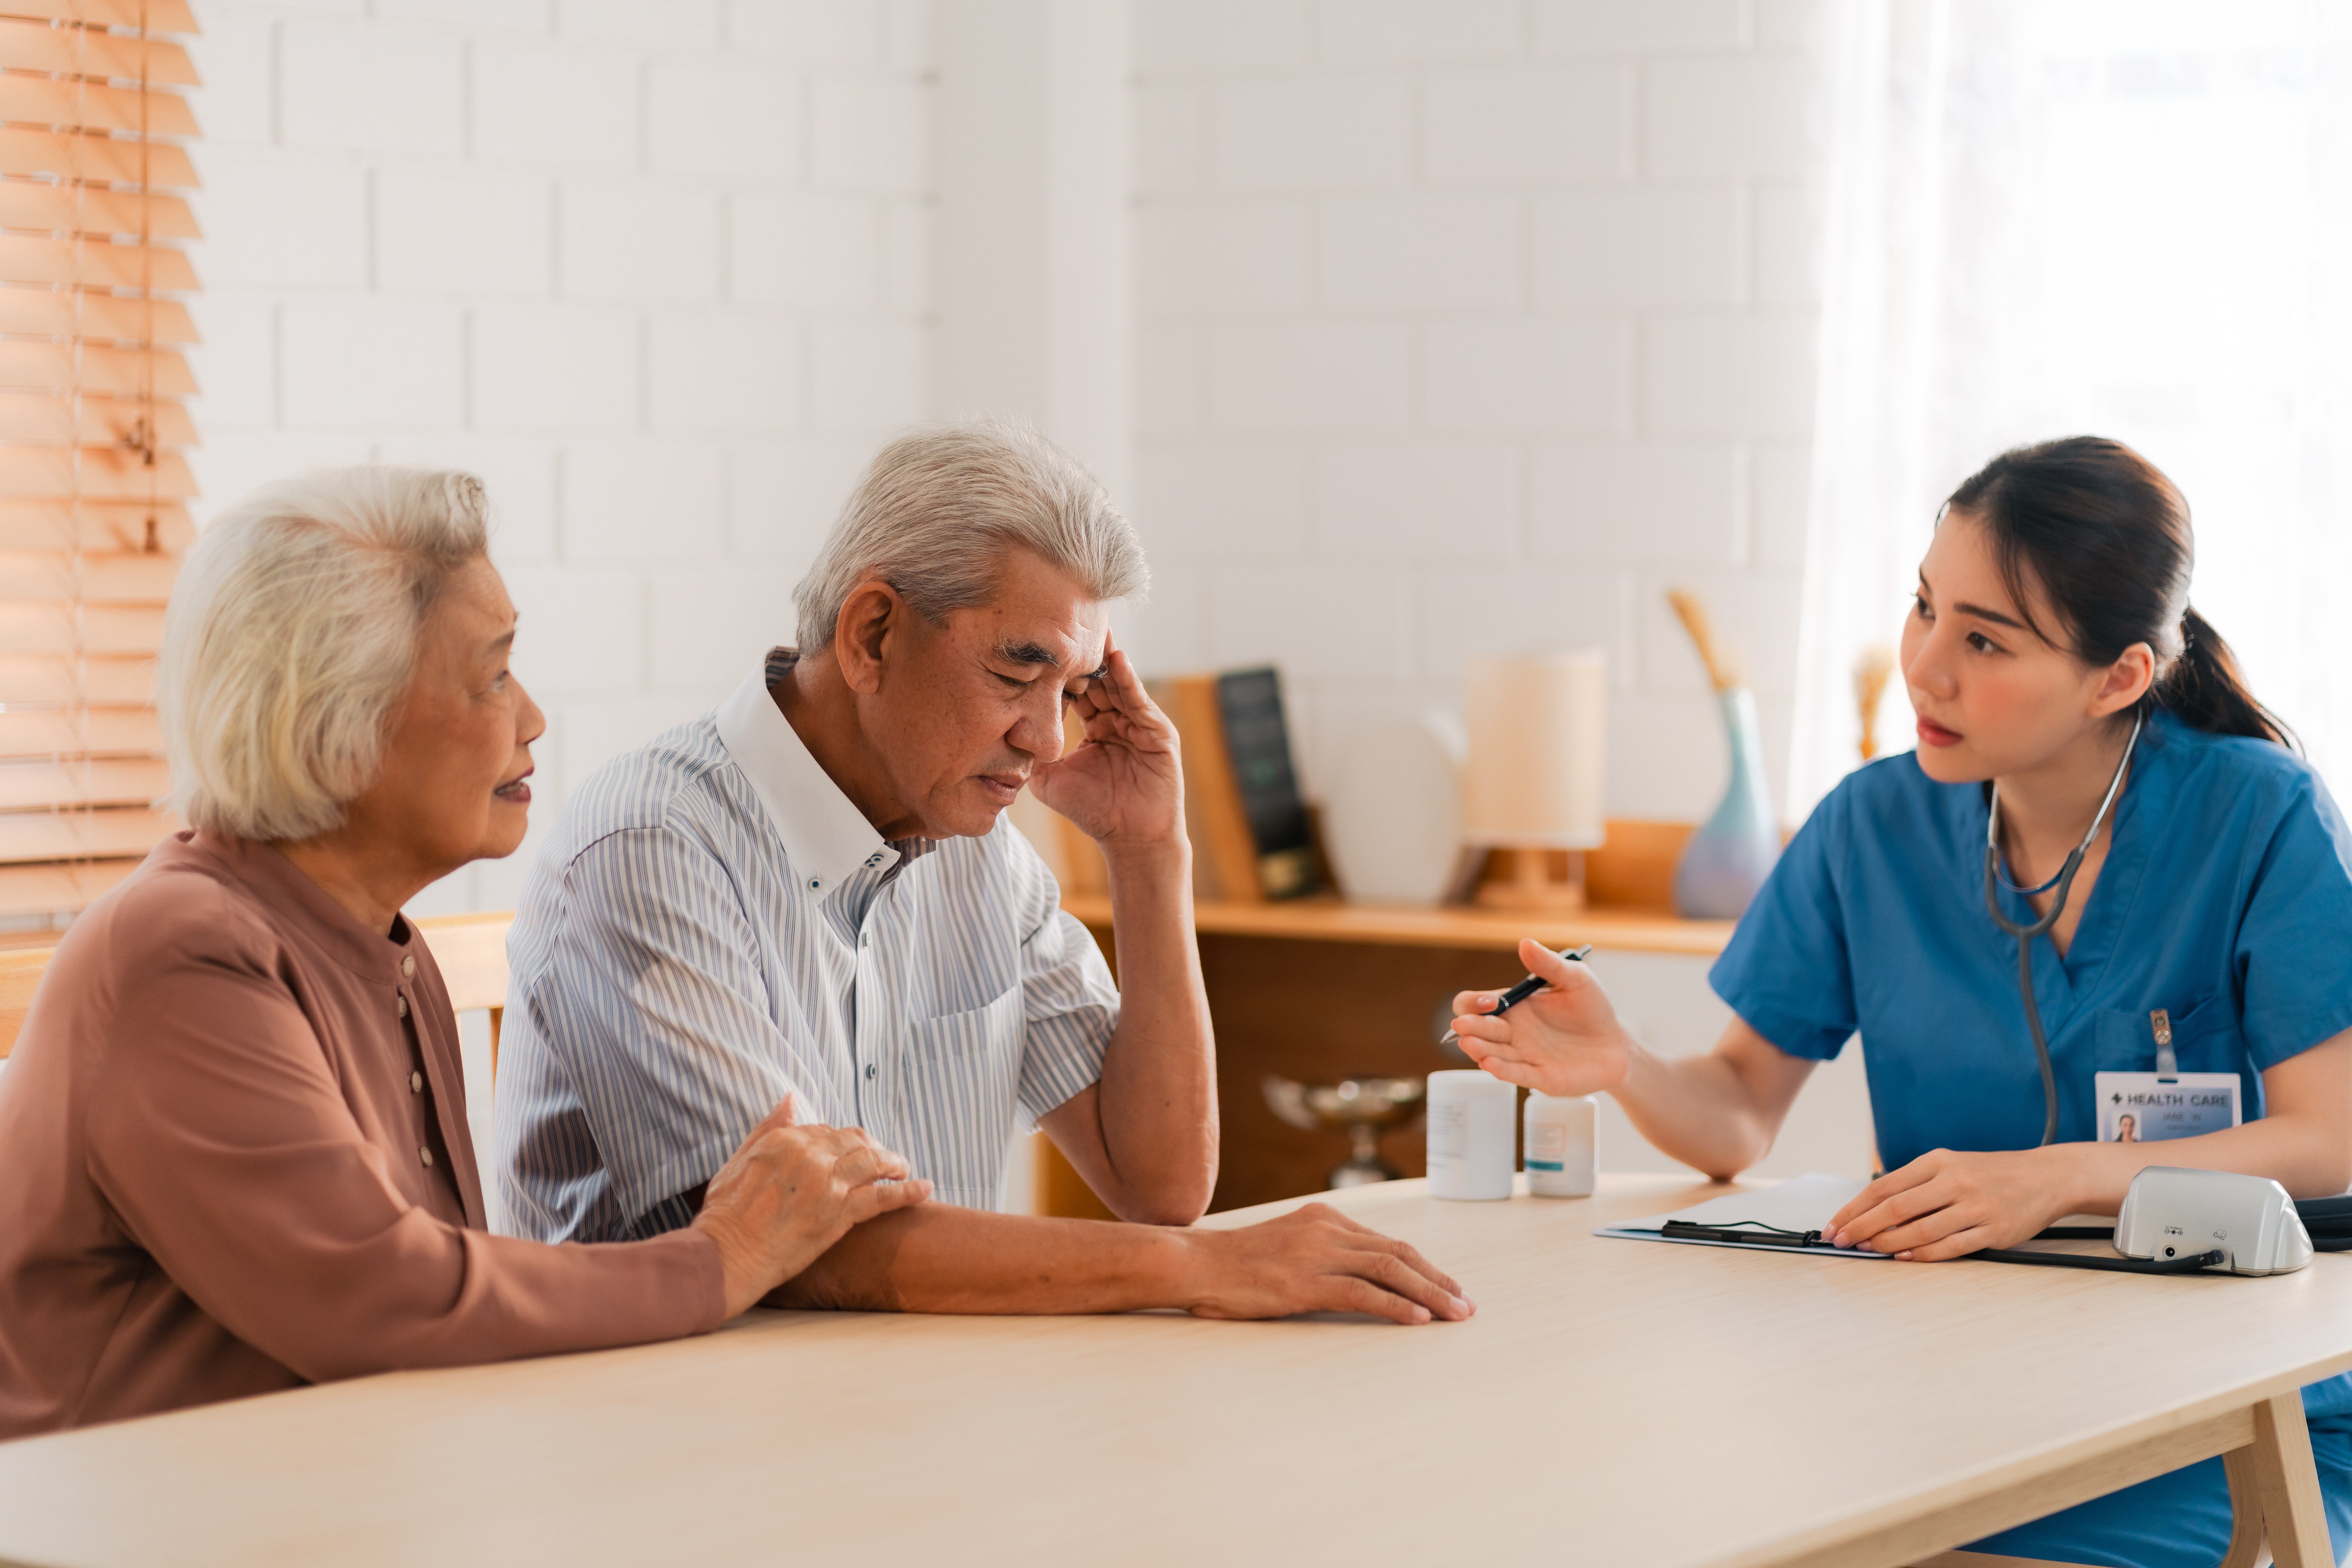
{"x": 1473, "y": 325}
{"x": 658, "y": 272}
{"x": 1463, "y": 324}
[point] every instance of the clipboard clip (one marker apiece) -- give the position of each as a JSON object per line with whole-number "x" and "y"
{"x": 1755, "y": 1233}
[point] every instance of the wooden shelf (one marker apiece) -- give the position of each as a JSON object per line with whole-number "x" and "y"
{"x": 1623, "y": 929}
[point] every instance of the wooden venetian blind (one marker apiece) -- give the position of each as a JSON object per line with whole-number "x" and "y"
{"x": 93, "y": 479}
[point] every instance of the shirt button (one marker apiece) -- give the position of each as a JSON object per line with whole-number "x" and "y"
{"x": 400, "y": 1006}
{"x": 408, "y": 964}
{"x": 416, "y": 1086}
{"x": 874, "y": 860}
{"x": 426, "y": 1155}
{"x": 815, "y": 883}
{"x": 873, "y": 1071}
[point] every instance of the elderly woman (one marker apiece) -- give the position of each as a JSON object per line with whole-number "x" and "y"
{"x": 233, "y": 1135}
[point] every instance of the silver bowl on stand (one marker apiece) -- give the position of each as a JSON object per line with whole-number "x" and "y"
{"x": 1363, "y": 1108}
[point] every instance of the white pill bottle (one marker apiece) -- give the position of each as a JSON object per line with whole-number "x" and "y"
{"x": 1469, "y": 1135}
{"x": 1562, "y": 1149}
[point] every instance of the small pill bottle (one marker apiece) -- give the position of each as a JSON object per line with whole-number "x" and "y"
{"x": 1562, "y": 1152}
{"x": 1469, "y": 1135}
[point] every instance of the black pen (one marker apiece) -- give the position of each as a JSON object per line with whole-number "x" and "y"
{"x": 1521, "y": 991}
{"x": 1684, "y": 1230}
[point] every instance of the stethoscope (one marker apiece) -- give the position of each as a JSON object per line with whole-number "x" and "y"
{"x": 1995, "y": 879}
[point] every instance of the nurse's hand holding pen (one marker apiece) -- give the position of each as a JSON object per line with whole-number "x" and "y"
{"x": 1562, "y": 1040}
{"x": 1718, "y": 1111}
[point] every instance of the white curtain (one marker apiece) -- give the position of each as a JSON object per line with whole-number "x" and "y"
{"x": 2118, "y": 217}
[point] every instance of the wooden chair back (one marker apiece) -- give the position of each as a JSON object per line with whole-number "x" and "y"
{"x": 472, "y": 951}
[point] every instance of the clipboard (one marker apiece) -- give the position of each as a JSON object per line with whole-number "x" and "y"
{"x": 1786, "y": 1213}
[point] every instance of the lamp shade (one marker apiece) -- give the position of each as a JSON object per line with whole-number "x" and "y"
{"x": 1537, "y": 724}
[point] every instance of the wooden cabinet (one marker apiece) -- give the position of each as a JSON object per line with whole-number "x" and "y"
{"x": 1319, "y": 989}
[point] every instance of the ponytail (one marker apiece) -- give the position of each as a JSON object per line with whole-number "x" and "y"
{"x": 2204, "y": 689}
{"x": 2104, "y": 537}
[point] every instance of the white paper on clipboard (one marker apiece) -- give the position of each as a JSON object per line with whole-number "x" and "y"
{"x": 1802, "y": 1203}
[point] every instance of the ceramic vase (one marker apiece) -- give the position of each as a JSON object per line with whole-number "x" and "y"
{"x": 1392, "y": 823}
{"x": 1728, "y": 857}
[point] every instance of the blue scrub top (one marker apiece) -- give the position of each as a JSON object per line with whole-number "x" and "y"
{"x": 2226, "y": 900}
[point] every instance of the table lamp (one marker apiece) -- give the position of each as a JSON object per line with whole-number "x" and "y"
{"x": 1533, "y": 783}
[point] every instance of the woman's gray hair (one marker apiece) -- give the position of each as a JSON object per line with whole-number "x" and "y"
{"x": 936, "y": 511}
{"x": 292, "y": 633}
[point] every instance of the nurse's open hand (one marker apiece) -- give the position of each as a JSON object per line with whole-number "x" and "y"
{"x": 1948, "y": 1205}
{"x": 1563, "y": 1040}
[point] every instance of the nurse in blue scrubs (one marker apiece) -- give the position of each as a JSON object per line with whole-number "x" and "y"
{"x": 2053, "y": 614}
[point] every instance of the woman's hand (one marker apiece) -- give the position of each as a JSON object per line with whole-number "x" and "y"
{"x": 790, "y": 1193}
{"x": 1564, "y": 1040}
{"x": 1947, "y": 1204}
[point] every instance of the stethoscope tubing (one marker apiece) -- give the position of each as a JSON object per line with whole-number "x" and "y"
{"x": 2064, "y": 883}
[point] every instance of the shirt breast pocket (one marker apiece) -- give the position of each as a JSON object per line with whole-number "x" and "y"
{"x": 2205, "y": 1038}
{"x": 961, "y": 1073}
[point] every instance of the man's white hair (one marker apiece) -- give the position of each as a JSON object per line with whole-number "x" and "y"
{"x": 292, "y": 633}
{"x": 936, "y": 511}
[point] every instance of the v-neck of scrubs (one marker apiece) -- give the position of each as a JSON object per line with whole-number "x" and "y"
{"x": 2062, "y": 979}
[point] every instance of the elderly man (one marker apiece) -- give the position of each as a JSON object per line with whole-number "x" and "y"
{"x": 811, "y": 891}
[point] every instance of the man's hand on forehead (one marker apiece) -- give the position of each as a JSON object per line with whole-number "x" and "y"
{"x": 1037, "y": 654}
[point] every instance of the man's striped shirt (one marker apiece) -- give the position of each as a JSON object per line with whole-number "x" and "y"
{"x": 713, "y": 924}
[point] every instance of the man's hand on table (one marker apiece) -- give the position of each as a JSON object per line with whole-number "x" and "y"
{"x": 1316, "y": 1260}
{"x": 790, "y": 1193}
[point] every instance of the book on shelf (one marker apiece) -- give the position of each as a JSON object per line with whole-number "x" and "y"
{"x": 1258, "y": 754}
{"x": 1252, "y": 838}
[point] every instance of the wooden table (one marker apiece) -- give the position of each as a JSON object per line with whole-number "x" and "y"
{"x": 1613, "y": 1402}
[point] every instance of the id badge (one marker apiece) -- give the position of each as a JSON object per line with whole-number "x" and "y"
{"x": 2148, "y": 1108}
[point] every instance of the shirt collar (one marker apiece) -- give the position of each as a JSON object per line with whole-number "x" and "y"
{"x": 334, "y": 930}
{"x": 826, "y": 839}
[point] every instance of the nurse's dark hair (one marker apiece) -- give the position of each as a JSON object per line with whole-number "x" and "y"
{"x": 2105, "y": 536}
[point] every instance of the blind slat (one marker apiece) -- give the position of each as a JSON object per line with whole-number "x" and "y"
{"x": 36, "y": 46}
{"x": 107, "y": 160}
{"x": 29, "y": 890}
{"x": 91, "y": 524}
{"x": 55, "y": 419}
{"x": 75, "y": 732}
{"x": 93, "y": 471}
{"x": 94, "y": 264}
{"x": 110, "y": 577}
{"x": 60, "y": 104}
{"x": 78, "y": 313}
{"x": 51, "y": 628}
{"x": 64, "y": 834}
{"x": 69, "y": 682}
{"x": 92, "y": 209}
{"x": 123, "y": 780}
{"x": 95, "y": 367}
{"x": 157, "y": 15}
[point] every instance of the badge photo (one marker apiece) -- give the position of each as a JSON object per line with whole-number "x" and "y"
{"x": 2148, "y": 1108}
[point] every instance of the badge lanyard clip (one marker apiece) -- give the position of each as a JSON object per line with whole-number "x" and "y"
{"x": 2167, "y": 1066}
